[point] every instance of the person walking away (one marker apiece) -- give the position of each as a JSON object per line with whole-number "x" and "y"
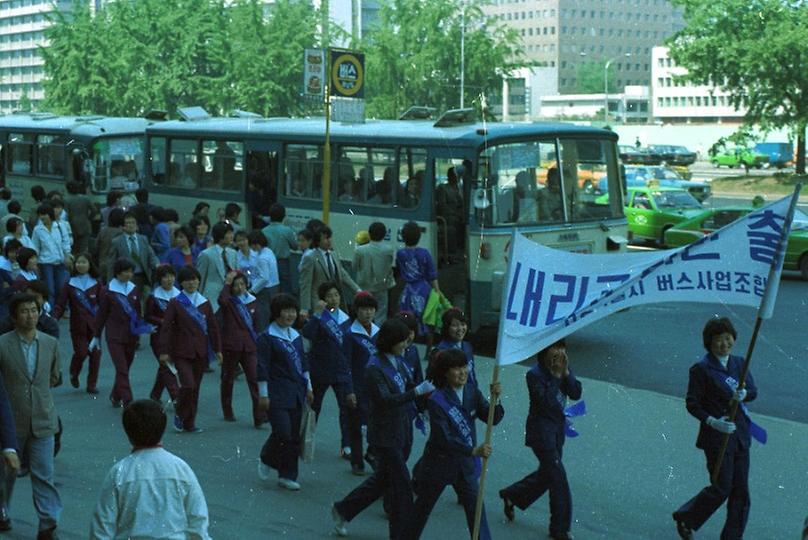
{"x": 163, "y": 291}
{"x": 281, "y": 239}
{"x": 29, "y": 365}
{"x": 151, "y": 493}
{"x": 373, "y": 265}
{"x": 81, "y": 212}
{"x": 417, "y": 270}
{"x": 549, "y": 384}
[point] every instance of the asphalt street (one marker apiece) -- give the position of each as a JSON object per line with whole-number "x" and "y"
{"x": 633, "y": 464}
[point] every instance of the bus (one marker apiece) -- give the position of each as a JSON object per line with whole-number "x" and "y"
{"x": 536, "y": 177}
{"x": 45, "y": 149}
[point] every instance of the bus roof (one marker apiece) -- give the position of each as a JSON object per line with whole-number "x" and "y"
{"x": 87, "y": 126}
{"x": 388, "y": 131}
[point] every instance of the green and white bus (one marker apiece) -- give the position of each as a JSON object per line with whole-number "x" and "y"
{"x": 538, "y": 177}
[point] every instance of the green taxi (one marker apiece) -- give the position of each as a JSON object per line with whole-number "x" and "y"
{"x": 713, "y": 219}
{"x": 651, "y": 211}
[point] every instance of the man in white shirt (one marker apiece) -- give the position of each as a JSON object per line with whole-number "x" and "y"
{"x": 151, "y": 493}
{"x": 265, "y": 277}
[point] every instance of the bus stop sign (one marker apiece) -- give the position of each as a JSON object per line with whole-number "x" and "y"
{"x": 347, "y": 73}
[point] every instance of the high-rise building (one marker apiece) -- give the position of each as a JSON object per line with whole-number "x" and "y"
{"x": 22, "y": 25}
{"x": 563, "y": 34}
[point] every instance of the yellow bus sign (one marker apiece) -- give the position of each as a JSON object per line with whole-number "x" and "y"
{"x": 347, "y": 73}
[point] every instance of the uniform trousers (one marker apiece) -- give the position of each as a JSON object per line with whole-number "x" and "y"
{"x": 550, "y": 476}
{"x": 164, "y": 379}
{"x": 122, "y": 354}
{"x": 282, "y": 448}
{"x": 248, "y": 362}
{"x": 319, "y": 388}
{"x": 732, "y": 486}
{"x": 189, "y": 373}
{"x": 81, "y": 338}
{"x": 37, "y": 455}
{"x": 391, "y": 476}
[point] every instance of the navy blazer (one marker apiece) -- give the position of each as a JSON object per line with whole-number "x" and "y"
{"x": 328, "y": 360}
{"x": 544, "y": 428}
{"x": 413, "y": 362}
{"x": 359, "y": 354}
{"x": 286, "y": 387}
{"x": 8, "y": 432}
{"x": 709, "y": 392}
{"x": 389, "y": 422}
{"x": 444, "y": 440}
{"x": 465, "y": 346}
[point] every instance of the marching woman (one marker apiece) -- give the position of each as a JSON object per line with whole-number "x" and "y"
{"x": 417, "y": 269}
{"x": 451, "y": 456}
{"x": 8, "y": 272}
{"x": 119, "y": 313}
{"x": 283, "y": 384}
{"x": 237, "y": 309}
{"x": 163, "y": 290}
{"x": 188, "y": 338}
{"x": 81, "y": 294}
{"x": 329, "y": 365}
{"x": 29, "y": 268}
{"x": 454, "y": 329}
{"x": 549, "y": 384}
{"x": 391, "y": 396}
{"x": 713, "y": 386}
{"x": 412, "y": 359}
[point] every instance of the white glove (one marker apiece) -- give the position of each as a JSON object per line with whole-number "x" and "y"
{"x": 94, "y": 344}
{"x": 722, "y": 425}
{"x": 424, "y": 388}
{"x": 740, "y": 395}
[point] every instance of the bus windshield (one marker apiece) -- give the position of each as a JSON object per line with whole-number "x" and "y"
{"x": 521, "y": 183}
{"x": 117, "y": 163}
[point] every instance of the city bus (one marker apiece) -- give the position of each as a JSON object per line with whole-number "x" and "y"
{"x": 45, "y": 149}
{"x": 529, "y": 176}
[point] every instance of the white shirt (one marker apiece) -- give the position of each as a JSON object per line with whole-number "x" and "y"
{"x": 118, "y": 286}
{"x": 151, "y": 493}
{"x": 49, "y": 244}
{"x": 197, "y": 298}
{"x": 357, "y": 328}
{"x": 265, "y": 271}
{"x": 83, "y": 282}
{"x": 163, "y": 294}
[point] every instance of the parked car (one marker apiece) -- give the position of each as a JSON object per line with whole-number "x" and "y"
{"x": 651, "y": 211}
{"x": 641, "y": 176}
{"x": 710, "y": 220}
{"x": 739, "y": 157}
{"x": 673, "y": 155}
{"x": 780, "y": 154}
{"x": 639, "y": 156}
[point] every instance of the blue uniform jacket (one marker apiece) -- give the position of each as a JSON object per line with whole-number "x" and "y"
{"x": 7, "y": 290}
{"x": 709, "y": 392}
{"x": 544, "y": 428}
{"x": 359, "y": 348}
{"x": 327, "y": 357}
{"x": 464, "y": 346}
{"x": 286, "y": 386}
{"x": 413, "y": 362}
{"x": 389, "y": 424}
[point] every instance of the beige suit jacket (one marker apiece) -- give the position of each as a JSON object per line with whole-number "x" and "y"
{"x": 30, "y": 398}
{"x": 313, "y": 273}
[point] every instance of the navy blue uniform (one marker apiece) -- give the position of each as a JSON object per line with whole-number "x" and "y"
{"x": 464, "y": 346}
{"x": 281, "y": 370}
{"x": 359, "y": 348}
{"x": 447, "y": 458}
{"x": 709, "y": 392}
{"x": 544, "y": 434}
{"x": 390, "y": 436}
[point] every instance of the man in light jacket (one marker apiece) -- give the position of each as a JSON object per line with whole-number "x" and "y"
{"x": 373, "y": 265}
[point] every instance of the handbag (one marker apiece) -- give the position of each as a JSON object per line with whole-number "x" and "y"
{"x": 308, "y": 424}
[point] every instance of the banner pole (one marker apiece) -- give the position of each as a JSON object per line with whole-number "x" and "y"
{"x": 489, "y": 428}
{"x": 764, "y": 311}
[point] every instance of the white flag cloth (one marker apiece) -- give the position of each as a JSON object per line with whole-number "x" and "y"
{"x": 552, "y": 293}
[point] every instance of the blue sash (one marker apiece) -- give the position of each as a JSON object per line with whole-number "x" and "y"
{"x": 199, "y": 319}
{"x": 331, "y": 327}
{"x": 162, "y": 305}
{"x": 291, "y": 352}
{"x": 459, "y": 422}
{"x": 246, "y": 318}
{"x": 573, "y": 411}
{"x": 757, "y": 432}
{"x": 137, "y": 325}
{"x": 81, "y": 296}
{"x": 395, "y": 377}
{"x": 367, "y": 344}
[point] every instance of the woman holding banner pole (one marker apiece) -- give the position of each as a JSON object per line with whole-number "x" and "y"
{"x": 549, "y": 384}
{"x": 712, "y": 388}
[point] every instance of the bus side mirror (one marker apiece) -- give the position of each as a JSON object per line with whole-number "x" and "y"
{"x": 481, "y": 201}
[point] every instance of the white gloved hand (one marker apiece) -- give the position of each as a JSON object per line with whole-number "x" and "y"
{"x": 94, "y": 344}
{"x": 424, "y": 388}
{"x": 722, "y": 425}
{"x": 740, "y": 395}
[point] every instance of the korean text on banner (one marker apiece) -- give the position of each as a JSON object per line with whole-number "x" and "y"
{"x": 552, "y": 293}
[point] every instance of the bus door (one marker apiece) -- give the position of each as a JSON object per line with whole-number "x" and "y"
{"x": 263, "y": 159}
{"x": 451, "y": 169}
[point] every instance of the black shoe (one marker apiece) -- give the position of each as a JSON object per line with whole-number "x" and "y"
{"x": 47, "y": 534}
{"x": 258, "y": 423}
{"x": 507, "y": 506}
{"x": 116, "y": 403}
{"x": 562, "y": 536}
{"x": 685, "y": 532}
{"x": 92, "y": 390}
{"x": 74, "y": 381}
{"x": 358, "y": 470}
{"x": 5, "y": 520}
{"x": 229, "y": 418}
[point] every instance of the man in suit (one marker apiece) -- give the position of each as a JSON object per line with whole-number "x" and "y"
{"x": 80, "y": 214}
{"x": 320, "y": 266}
{"x": 373, "y": 264}
{"x": 29, "y": 365}
{"x": 549, "y": 384}
{"x": 135, "y": 247}
{"x": 215, "y": 262}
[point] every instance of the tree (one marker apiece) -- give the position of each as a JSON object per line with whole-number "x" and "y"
{"x": 754, "y": 50}
{"x": 590, "y": 77}
{"x": 413, "y": 55}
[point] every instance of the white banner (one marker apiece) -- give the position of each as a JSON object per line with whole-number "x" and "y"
{"x": 552, "y": 293}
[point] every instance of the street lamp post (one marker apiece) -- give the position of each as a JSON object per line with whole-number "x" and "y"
{"x": 606, "y": 86}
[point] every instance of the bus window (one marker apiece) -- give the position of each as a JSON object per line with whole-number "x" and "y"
{"x": 450, "y": 210}
{"x": 411, "y": 176}
{"x": 117, "y": 164}
{"x": 157, "y": 153}
{"x": 183, "y": 164}
{"x": 304, "y": 171}
{"x": 374, "y": 184}
{"x": 222, "y": 165}
{"x": 587, "y": 164}
{"x": 21, "y": 153}
{"x": 51, "y": 155}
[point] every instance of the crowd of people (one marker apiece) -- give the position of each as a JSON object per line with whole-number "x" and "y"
{"x": 211, "y": 294}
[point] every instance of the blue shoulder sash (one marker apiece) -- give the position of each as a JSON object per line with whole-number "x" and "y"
{"x": 137, "y": 325}
{"x": 198, "y": 318}
{"x": 246, "y": 318}
{"x": 756, "y": 431}
{"x": 331, "y": 327}
{"x": 84, "y": 301}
